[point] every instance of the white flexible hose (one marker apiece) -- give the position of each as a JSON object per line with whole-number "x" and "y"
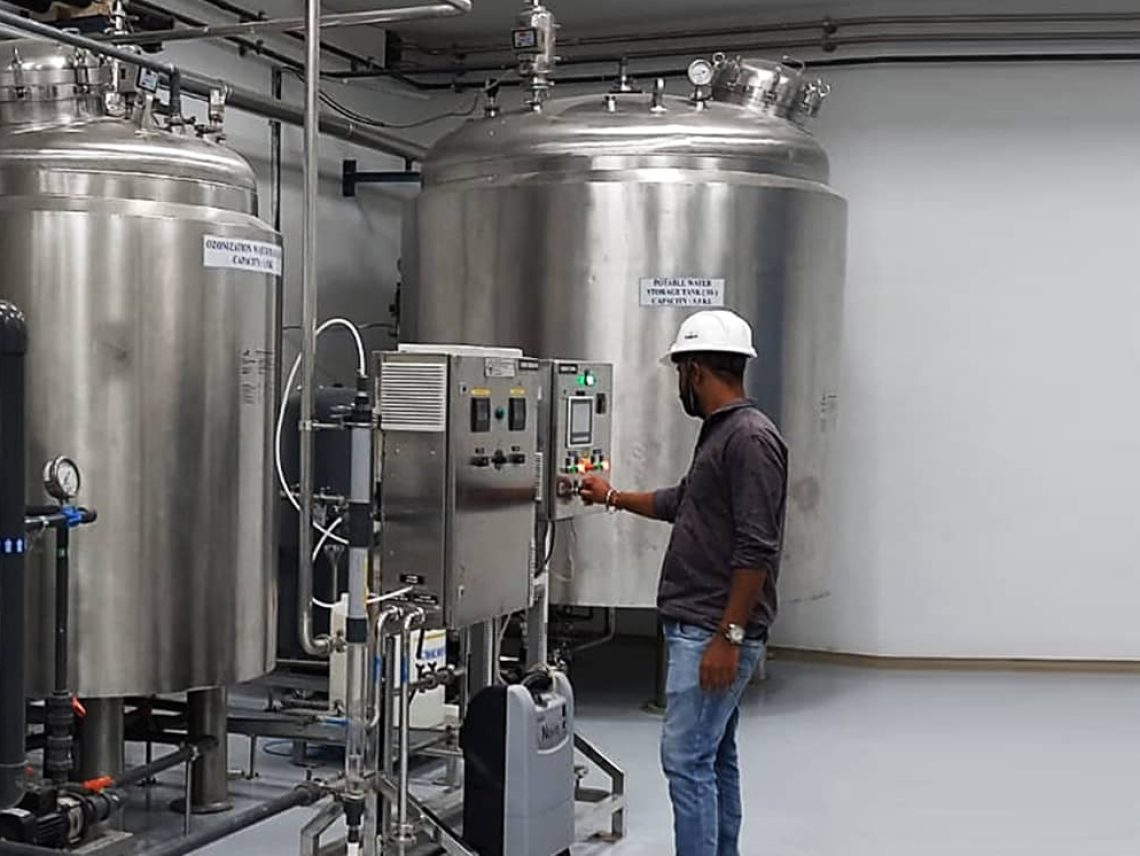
{"x": 362, "y": 367}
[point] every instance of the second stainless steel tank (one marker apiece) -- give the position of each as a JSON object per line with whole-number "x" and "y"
{"x": 592, "y": 227}
{"x": 150, "y": 287}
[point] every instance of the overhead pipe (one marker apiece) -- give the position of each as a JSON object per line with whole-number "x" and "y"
{"x": 398, "y": 15}
{"x": 269, "y": 108}
{"x": 13, "y": 569}
{"x": 169, "y": 71}
{"x": 237, "y": 97}
{"x": 826, "y": 24}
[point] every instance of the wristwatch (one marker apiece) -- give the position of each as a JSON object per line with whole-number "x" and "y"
{"x": 734, "y": 633}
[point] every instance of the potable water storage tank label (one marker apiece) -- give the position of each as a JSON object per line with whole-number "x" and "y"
{"x": 241, "y": 254}
{"x": 668, "y": 291}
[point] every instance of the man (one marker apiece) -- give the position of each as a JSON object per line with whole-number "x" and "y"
{"x": 717, "y": 596}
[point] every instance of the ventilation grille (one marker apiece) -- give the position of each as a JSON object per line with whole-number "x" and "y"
{"x": 413, "y": 397}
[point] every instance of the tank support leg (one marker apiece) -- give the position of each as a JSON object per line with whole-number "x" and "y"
{"x": 209, "y": 791}
{"x": 101, "y": 739}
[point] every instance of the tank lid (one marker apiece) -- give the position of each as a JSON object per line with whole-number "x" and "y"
{"x": 778, "y": 88}
{"x": 46, "y": 71}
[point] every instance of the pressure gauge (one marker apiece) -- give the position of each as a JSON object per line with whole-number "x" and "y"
{"x": 700, "y": 72}
{"x": 61, "y": 479}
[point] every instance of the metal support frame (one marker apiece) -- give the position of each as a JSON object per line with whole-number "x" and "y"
{"x": 351, "y": 176}
{"x": 611, "y": 802}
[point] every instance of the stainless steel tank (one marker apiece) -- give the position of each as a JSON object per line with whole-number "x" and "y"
{"x": 590, "y": 228}
{"x": 151, "y": 289}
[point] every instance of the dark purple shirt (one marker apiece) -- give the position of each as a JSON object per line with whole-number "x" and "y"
{"x": 727, "y": 513}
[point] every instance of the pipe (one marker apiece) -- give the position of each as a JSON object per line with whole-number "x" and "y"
{"x": 169, "y": 71}
{"x": 237, "y": 97}
{"x": 276, "y": 81}
{"x": 304, "y": 794}
{"x": 58, "y": 759}
{"x": 404, "y": 832}
{"x": 187, "y": 752}
{"x": 13, "y": 570}
{"x": 398, "y": 15}
{"x": 311, "y": 645}
{"x": 826, "y": 26}
{"x": 269, "y": 108}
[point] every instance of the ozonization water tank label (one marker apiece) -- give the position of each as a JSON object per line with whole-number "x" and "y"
{"x": 241, "y": 254}
{"x": 682, "y": 291}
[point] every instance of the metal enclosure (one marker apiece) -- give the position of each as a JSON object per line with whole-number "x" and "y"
{"x": 594, "y": 226}
{"x": 457, "y": 457}
{"x": 574, "y": 433}
{"x": 150, "y": 287}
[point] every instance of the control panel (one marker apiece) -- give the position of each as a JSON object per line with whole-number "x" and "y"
{"x": 457, "y": 456}
{"x": 575, "y": 437}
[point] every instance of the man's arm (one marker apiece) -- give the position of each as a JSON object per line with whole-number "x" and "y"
{"x": 656, "y": 505}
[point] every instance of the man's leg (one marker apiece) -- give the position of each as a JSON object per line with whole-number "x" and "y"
{"x": 729, "y": 806}
{"x": 730, "y": 813}
{"x": 695, "y": 723}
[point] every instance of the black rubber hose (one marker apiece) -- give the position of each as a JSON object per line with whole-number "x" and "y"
{"x": 13, "y": 347}
{"x": 302, "y": 795}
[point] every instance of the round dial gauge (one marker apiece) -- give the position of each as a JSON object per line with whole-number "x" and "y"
{"x": 61, "y": 479}
{"x": 700, "y": 72}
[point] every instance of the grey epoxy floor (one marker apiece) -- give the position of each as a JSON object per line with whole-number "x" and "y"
{"x": 845, "y": 762}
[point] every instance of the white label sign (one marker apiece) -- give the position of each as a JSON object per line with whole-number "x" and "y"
{"x": 241, "y": 254}
{"x": 682, "y": 291}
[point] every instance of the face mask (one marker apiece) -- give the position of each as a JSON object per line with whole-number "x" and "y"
{"x": 688, "y": 395}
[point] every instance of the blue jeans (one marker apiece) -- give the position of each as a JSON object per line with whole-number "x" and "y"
{"x": 698, "y": 745}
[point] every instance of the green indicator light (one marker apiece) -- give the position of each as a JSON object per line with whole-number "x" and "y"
{"x": 581, "y": 380}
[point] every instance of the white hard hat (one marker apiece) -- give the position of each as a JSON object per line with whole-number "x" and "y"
{"x": 716, "y": 330}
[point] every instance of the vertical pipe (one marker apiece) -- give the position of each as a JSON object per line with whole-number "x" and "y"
{"x": 206, "y": 717}
{"x": 275, "y": 81}
{"x": 387, "y": 750}
{"x": 58, "y": 755}
{"x": 310, "y": 644}
{"x": 13, "y": 347}
{"x": 404, "y": 831}
{"x": 101, "y": 739}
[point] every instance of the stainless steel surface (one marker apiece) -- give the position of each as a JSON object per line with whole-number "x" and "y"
{"x": 395, "y": 15}
{"x": 457, "y": 503}
{"x": 209, "y": 790}
{"x": 155, "y": 374}
{"x": 310, "y": 644}
{"x": 552, "y": 219}
{"x": 101, "y": 739}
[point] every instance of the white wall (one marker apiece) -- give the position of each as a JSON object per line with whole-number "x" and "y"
{"x": 988, "y": 451}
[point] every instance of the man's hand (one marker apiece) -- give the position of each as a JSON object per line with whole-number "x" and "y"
{"x": 594, "y": 490}
{"x": 719, "y": 665}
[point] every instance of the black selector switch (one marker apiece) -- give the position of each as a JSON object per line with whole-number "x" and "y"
{"x": 516, "y": 420}
{"x": 499, "y": 458}
{"x": 480, "y": 415}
